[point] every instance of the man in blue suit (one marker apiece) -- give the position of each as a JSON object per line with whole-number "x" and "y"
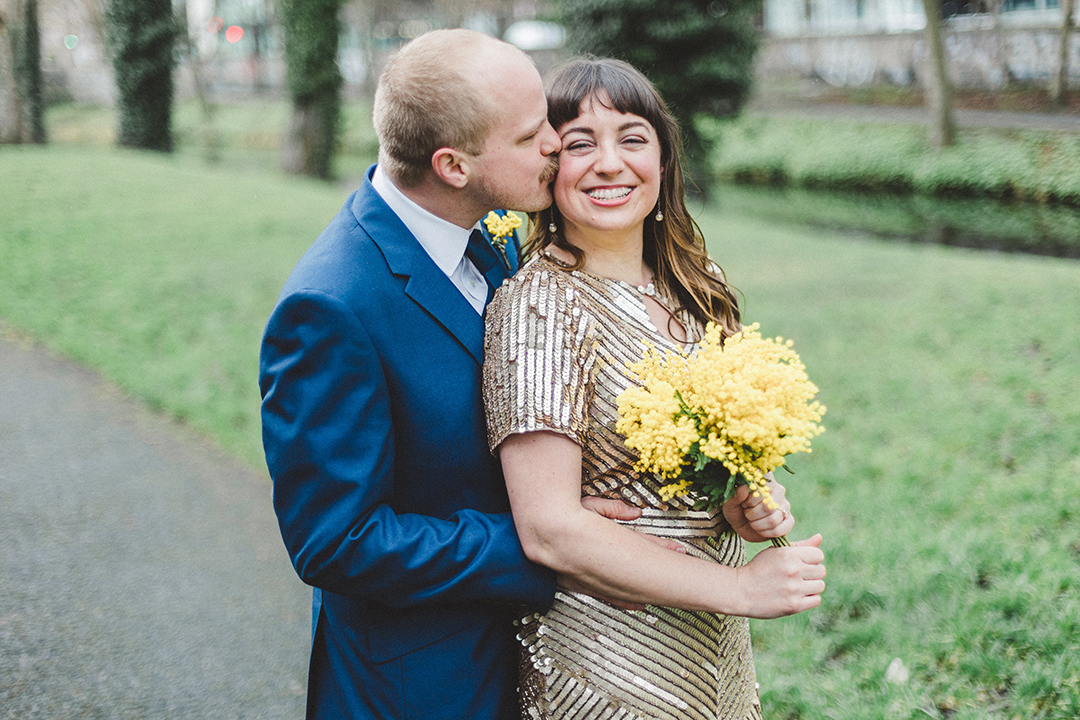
{"x": 389, "y": 502}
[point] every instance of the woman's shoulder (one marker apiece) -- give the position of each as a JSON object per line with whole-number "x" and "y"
{"x": 543, "y": 289}
{"x": 540, "y": 276}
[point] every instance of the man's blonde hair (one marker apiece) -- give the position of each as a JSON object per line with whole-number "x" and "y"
{"x": 424, "y": 102}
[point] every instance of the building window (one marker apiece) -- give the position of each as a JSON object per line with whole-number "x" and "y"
{"x": 951, "y": 8}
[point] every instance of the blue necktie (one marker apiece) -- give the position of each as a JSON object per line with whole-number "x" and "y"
{"x": 486, "y": 260}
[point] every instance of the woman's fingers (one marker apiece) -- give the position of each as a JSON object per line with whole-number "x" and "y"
{"x": 771, "y": 522}
{"x": 814, "y": 541}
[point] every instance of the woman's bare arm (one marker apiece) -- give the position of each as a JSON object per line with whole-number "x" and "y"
{"x": 543, "y": 476}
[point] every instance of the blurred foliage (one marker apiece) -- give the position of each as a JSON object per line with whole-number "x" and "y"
{"x": 698, "y": 53}
{"x": 312, "y": 30}
{"x": 141, "y": 36}
{"x": 1035, "y": 165}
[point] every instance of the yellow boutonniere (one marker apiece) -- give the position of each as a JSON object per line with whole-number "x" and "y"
{"x": 501, "y": 226}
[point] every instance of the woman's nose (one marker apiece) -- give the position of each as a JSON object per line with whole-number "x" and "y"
{"x": 608, "y": 159}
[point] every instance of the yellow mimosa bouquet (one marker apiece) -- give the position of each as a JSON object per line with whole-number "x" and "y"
{"x": 724, "y": 415}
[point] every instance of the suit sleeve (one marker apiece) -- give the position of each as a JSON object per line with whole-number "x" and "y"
{"x": 329, "y": 442}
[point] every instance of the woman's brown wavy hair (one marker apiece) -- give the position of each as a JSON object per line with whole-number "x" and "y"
{"x": 674, "y": 248}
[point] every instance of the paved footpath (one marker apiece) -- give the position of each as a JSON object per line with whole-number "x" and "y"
{"x": 141, "y": 571}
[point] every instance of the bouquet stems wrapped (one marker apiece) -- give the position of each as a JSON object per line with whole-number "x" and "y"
{"x": 723, "y": 416}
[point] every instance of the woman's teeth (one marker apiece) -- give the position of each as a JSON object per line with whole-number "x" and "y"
{"x": 608, "y": 193}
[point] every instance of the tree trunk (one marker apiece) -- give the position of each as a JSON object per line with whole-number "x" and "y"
{"x": 938, "y": 88}
{"x": 1059, "y": 81}
{"x": 22, "y": 109}
{"x": 10, "y": 107}
{"x": 311, "y": 30}
{"x": 141, "y": 37}
{"x": 1000, "y": 54}
{"x": 310, "y": 138}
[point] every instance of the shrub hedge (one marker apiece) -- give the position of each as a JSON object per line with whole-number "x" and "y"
{"x": 1030, "y": 165}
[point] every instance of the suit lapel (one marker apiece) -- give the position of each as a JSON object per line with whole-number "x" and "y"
{"x": 434, "y": 292}
{"x": 425, "y": 284}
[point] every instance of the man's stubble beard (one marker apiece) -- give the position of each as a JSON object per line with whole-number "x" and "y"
{"x": 546, "y": 179}
{"x": 502, "y": 201}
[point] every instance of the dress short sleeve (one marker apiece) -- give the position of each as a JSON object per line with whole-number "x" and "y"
{"x": 539, "y": 357}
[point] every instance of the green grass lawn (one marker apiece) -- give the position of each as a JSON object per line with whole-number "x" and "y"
{"x": 945, "y": 485}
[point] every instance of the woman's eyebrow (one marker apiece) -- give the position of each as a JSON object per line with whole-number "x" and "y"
{"x": 583, "y": 129}
{"x": 622, "y": 128}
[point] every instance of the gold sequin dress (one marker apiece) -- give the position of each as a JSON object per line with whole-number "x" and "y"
{"x": 556, "y": 349}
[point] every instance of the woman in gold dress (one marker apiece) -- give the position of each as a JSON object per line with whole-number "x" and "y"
{"x": 618, "y": 262}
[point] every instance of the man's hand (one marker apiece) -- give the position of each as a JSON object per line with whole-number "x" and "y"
{"x": 610, "y": 508}
{"x": 614, "y": 510}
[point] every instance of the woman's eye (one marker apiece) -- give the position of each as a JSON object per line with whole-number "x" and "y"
{"x": 579, "y": 145}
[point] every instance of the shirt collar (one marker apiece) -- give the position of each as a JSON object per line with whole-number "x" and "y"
{"x": 441, "y": 239}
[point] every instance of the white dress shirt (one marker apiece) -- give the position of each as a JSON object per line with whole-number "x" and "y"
{"x": 443, "y": 241}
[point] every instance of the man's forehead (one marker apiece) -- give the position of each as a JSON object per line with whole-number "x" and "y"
{"x": 515, "y": 80}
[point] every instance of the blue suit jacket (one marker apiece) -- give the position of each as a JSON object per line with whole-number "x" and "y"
{"x": 389, "y": 502}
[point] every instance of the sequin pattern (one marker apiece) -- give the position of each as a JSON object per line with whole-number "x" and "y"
{"x": 556, "y": 349}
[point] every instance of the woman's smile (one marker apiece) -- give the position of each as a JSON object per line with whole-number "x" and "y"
{"x": 609, "y": 195}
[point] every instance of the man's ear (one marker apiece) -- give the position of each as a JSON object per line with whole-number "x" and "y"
{"x": 451, "y": 166}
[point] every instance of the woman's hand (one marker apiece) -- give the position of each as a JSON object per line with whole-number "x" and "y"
{"x": 784, "y": 581}
{"x": 752, "y": 520}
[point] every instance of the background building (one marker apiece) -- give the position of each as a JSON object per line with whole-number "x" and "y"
{"x": 860, "y": 42}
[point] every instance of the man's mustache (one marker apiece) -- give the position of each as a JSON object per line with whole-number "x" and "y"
{"x": 550, "y": 171}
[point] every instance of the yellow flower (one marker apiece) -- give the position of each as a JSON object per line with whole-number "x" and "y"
{"x": 745, "y": 400}
{"x": 501, "y": 226}
{"x": 669, "y": 491}
{"x": 648, "y": 418}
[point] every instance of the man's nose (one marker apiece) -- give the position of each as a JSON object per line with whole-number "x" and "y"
{"x": 550, "y": 143}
